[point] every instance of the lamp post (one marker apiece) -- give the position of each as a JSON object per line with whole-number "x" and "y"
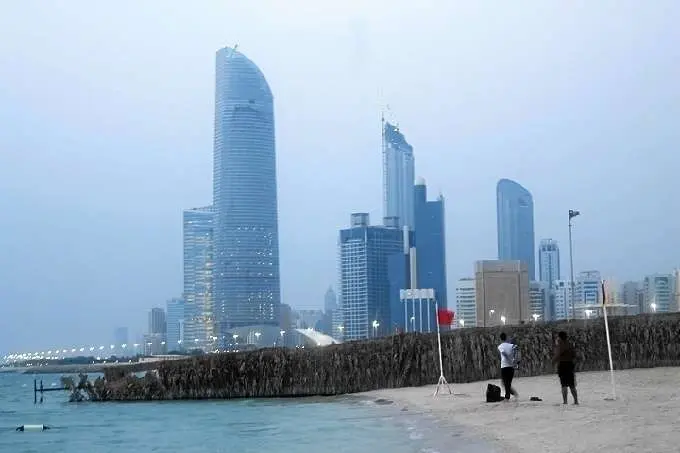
{"x": 653, "y": 306}
{"x": 572, "y": 214}
{"x": 376, "y": 324}
{"x": 503, "y": 319}
{"x": 413, "y": 323}
{"x": 535, "y": 316}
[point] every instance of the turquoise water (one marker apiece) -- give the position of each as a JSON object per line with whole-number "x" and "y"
{"x": 244, "y": 426}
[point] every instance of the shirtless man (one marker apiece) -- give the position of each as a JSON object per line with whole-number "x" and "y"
{"x": 564, "y": 359}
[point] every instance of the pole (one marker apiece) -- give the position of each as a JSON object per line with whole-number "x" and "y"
{"x": 405, "y": 301}
{"x": 420, "y": 314}
{"x": 429, "y": 322}
{"x": 609, "y": 344}
{"x": 442, "y": 379}
{"x": 571, "y": 272}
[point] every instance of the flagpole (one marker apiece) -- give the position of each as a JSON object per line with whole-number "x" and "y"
{"x": 442, "y": 379}
{"x": 609, "y": 344}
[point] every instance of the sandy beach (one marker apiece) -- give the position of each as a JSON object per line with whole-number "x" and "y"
{"x": 645, "y": 417}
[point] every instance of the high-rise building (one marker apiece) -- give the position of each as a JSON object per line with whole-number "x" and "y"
{"x": 121, "y": 337}
{"x": 633, "y": 297}
{"x": 364, "y": 251}
{"x": 199, "y": 322}
{"x": 157, "y": 321}
{"x": 548, "y": 261}
{"x": 175, "y": 323}
{"x": 502, "y": 292}
{"x": 330, "y": 300}
{"x": 587, "y": 294}
{"x": 538, "y": 301}
{"x": 398, "y": 176}
{"x": 515, "y": 224}
{"x": 560, "y": 305}
{"x": 246, "y": 278}
{"x": 466, "y": 307}
{"x": 430, "y": 243}
{"x": 659, "y": 293}
{"x": 155, "y": 339}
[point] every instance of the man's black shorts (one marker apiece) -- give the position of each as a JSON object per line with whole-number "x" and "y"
{"x": 565, "y": 370}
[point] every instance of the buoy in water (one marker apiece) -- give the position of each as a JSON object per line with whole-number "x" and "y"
{"x": 33, "y": 428}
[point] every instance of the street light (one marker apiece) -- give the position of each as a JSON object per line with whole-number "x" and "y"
{"x": 535, "y": 316}
{"x": 572, "y": 214}
{"x": 653, "y": 305}
{"x": 413, "y": 323}
{"x": 503, "y": 319}
{"x": 461, "y": 322}
{"x": 376, "y": 324}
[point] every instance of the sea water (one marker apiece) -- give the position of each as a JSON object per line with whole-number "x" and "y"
{"x": 301, "y": 425}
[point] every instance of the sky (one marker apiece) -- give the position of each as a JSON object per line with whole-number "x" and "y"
{"x": 106, "y": 124}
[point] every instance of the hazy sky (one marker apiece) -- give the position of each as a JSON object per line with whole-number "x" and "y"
{"x": 106, "y": 124}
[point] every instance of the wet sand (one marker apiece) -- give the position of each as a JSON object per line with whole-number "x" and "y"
{"x": 645, "y": 417}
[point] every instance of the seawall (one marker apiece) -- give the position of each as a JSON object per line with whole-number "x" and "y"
{"x": 398, "y": 361}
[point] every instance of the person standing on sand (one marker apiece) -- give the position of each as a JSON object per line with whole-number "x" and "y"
{"x": 564, "y": 359}
{"x": 507, "y": 351}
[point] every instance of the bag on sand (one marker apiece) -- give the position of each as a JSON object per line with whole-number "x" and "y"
{"x": 493, "y": 394}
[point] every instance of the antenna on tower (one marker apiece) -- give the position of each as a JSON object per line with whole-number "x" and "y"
{"x": 235, "y": 47}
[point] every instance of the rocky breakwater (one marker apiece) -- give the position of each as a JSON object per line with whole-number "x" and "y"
{"x": 397, "y": 361}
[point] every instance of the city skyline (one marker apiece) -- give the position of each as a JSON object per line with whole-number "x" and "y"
{"x": 125, "y": 140}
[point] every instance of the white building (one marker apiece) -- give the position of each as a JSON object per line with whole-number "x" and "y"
{"x": 587, "y": 294}
{"x": 560, "y": 305}
{"x": 538, "y": 298}
{"x": 659, "y": 293}
{"x": 466, "y": 306}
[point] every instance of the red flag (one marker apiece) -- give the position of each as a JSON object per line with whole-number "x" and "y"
{"x": 445, "y": 317}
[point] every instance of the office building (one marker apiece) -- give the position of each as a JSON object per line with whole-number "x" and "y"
{"x": 548, "y": 261}
{"x": 199, "y": 321}
{"x": 466, "y": 306}
{"x": 587, "y": 294}
{"x": 515, "y": 224}
{"x": 121, "y": 337}
{"x": 659, "y": 293}
{"x": 398, "y": 176}
{"x": 175, "y": 324}
{"x": 633, "y": 297}
{"x": 154, "y": 340}
{"x": 538, "y": 301}
{"x": 364, "y": 283}
{"x": 502, "y": 292}
{"x": 560, "y": 307}
{"x": 430, "y": 243}
{"x": 330, "y": 300}
{"x": 676, "y": 287}
{"x": 246, "y": 240}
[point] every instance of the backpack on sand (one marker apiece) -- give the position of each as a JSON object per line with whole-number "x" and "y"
{"x": 493, "y": 394}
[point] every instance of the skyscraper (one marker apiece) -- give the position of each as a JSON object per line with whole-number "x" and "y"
{"x": 198, "y": 232}
{"x": 364, "y": 251}
{"x": 175, "y": 323}
{"x": 659, "y": 293}
{"x": 246, "y": 277}
{"x": 548, "y": 261}
{"x": 430, "y": 243}
{"x": 330, "y": 301}
{"x": 466, "y": 307}
{"x": 398, "y": 176}
{"x": 515, "y": 223}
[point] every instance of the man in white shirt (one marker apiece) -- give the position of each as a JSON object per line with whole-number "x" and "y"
{"x": 507, "y": 351}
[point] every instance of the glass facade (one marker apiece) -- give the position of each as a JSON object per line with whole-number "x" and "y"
{"x": 515, "y": 224}
{"x": 246, "y": 243}
{"x": 198, "y": 231}
{"x": 175, "y": 323}
{"x": 430, "y": 244}
{"x": 364, "y": 282}
{"x": 659, "y": 293}
{"x": 398, "y": 176}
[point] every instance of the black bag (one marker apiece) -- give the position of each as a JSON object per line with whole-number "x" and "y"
{"x": 493, "y": 394}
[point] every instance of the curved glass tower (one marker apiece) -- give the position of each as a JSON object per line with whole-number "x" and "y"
{"x": 515, "y": 223}
{"x": 246, "y": 249}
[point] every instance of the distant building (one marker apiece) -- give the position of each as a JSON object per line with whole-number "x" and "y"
{"x": 121, "y": 337}
{"x": 364, "y": 251}
{"x": 330, "y": 300}
{"x": 538, "y": 297}
{"x": 155, "y": 339}
{"x": 515, "y": 224}
{"x": 175, "y": 324}
{"x": 466, "y": 306}
{"x": 430, "y": 243}
{"x": 659, "y": 293}
{"x": 633, "y": 297}
{"x": 199, "y": 320}
{"x": 157, "y": 321}
{"x": 502, "y": 292}
{"x": 548, "y": 261}
{"x": 398, "y": 177}
{"x": 676, "y": 275}
{"x": 587, "y": 294}
{"x": 560, "y": 304}
{"x": 307, "y": 319}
